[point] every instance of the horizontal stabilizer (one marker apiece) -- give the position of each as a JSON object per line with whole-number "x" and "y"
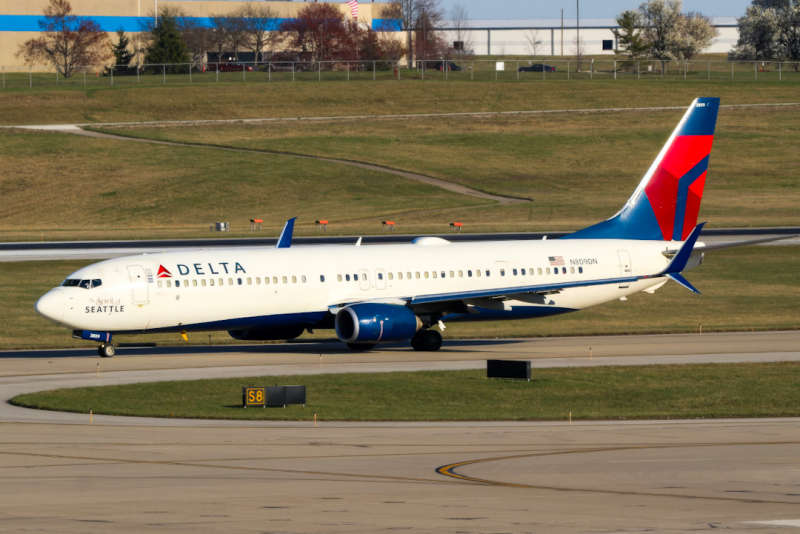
{"x": 678, "y": 263}
{"x": 683, "y": 281}
{"x": 735, "y": 244}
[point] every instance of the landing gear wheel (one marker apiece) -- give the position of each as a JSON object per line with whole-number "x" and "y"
{"x": 361, "y": 346}
{"x": 107, "y": 350}
{"x": 427, "y": 340}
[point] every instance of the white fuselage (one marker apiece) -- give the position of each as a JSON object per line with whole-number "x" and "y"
{"x": 237, "y": 288}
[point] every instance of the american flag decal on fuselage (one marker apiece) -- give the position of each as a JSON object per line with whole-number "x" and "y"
{"x": 556, "y": 261}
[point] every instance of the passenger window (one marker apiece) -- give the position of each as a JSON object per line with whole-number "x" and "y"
{"x": 391, "y": 276}
{"x": 580, "y": 270}
{"x": 194, "y": 283}
{"x": 339, "y": 277}
{"x": 502, "y": 272}
{"x": 461, "y": 274}
{"x": 355, "y": 277}
{"x": 294, "y": 279}
{"x": 258, "y": 281}
{"x": 408, "y": 275}
{"x": 285, "y": 280}
{"x": 322, "y": 278}
{"x": 221, "y": 282}
{"x": 563, "y": 270}
{"x": 159, "y": 283}
{"x": 426, "y": 274}
{"x": 488, "y": 272}
{"x": 417, "y": 274}
{"x": 478, "y": 273}
{"x": 548, "y": 270}
{"x": 347, "y": 277}
{"x": 572, "y": 270}
{"x": 274, "y": 279}
{"x": 266, "y": 279}
{"x": 514, "y": 271}
{"x": 177, "y": 283}
{"x": 522, "y": 272}
{"x": 540, "y": 271}
{"x": 434, "y": 274}
{"x": 249, "y": 281}
{"x": 451, "y": 274}
{"x": 469, "y": 274}
{"x": 211, "y": 281}
{"x": 399, "y": 276}
{"x": 169, "y": 284}
{"x": 380, "y": 276}
{"x": 365, "y": 276}
{"x": 555, "y": 271}
{"x": 185, "y": 283}
{"x": 230, "y": 281}
{"x": 203, "y": 282}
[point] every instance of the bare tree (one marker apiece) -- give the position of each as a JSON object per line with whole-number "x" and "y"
{"x": 67, "y": 41}
{"x": 218, "y": 35}
{"x": 414, "y": 16}
{"x": 502, "y": 52}
{"x": 532, "y": 42}
{"x": 464, "y": 41}
{"x": 260, "y": 25}
{"x": 237, "y": 37}
{"x": 579, "y": 50}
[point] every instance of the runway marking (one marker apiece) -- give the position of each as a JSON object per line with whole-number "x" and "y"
{"x": 449, "y": 471}
{"x": 777, "y": 522}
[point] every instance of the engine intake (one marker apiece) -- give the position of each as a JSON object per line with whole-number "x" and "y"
{"x": 376, "y": 323}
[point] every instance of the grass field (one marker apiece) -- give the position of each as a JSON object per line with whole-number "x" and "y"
{"x": 578, "y": 168}
{"x": 651, "y": 392}
{"x": 755, "y": 288}
{"x": 183, "y": 101}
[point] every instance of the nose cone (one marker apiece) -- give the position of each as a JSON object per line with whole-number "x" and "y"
{"x": 51, "y": 305}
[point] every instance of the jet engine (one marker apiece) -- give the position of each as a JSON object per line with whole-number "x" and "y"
{"x": 376, "y": 323}
{"x": 267, "y": 334}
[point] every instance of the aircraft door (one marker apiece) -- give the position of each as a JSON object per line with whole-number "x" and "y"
{"x": 363, "y": 279}
{"x": 625, "y": 266}
{"x": 380, "y": 279}
{"x": 138, "y": 284}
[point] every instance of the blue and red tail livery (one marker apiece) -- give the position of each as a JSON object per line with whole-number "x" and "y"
{"x": 666, "y": 204}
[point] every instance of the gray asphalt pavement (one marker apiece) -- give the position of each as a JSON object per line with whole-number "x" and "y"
{"x": 62, "y": 473}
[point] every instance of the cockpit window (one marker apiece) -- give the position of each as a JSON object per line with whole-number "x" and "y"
{"x": 85, "y": 284}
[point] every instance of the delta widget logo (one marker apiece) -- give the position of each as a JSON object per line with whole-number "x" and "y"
{"x": 163, "y": 272}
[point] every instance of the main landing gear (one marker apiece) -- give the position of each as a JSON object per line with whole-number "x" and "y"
{"x": 107, "y": 350}
{"x": 427, "y": 340}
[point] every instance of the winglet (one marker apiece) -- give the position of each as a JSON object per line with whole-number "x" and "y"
{"x": 678, "y": 263}
{"x": 285, "y": 240}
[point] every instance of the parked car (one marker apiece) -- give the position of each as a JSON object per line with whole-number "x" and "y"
{"x": 440, "y": 65}
{"x": 230, "y": 67}
{"x": 537, "y": 67}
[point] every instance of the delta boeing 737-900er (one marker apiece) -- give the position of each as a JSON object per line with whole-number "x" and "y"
{"x": 398, "y": 293}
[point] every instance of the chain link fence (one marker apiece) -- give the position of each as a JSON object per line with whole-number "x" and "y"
{"x": 476, "y": 70}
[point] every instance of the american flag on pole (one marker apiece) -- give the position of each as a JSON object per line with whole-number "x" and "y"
{"x": 557, "y": 261}
{"x": 353, "y": 8}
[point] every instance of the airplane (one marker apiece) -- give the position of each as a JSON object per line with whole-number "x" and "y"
{"x": 400, "y": 293}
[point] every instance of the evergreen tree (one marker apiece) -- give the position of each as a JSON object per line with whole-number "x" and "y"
{"x": 122, "y": 56}
{"x": 168, "y": 47}
{"x": 629, "y": 36}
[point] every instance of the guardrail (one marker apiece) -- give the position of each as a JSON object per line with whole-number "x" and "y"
{"x": 299, "y": 71}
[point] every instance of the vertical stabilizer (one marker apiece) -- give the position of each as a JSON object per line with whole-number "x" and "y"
{"x": 665, "y": 205}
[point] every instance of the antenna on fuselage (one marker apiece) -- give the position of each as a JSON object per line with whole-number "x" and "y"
{"x": 285, "y": 240}
{"x": 358, "y": 243}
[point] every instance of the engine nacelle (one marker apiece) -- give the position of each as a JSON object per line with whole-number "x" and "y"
{"x": 376, "y": 323}
{"x": 267, "y": 334}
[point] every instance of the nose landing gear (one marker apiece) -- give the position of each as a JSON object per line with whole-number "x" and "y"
{"x": 107, "y": 350}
